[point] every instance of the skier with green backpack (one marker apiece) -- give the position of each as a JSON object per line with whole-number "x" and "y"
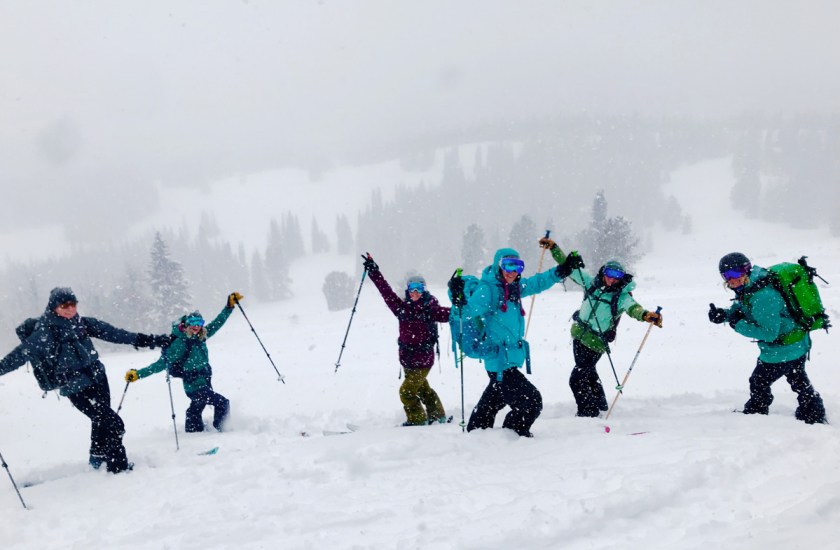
{"x": 778, "y": 307}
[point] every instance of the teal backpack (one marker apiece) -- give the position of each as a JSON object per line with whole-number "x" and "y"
{"x": 470, "y": 330}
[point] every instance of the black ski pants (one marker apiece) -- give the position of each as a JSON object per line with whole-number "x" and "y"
{"x": 201, "y": 398}
{"x": 585, "y": 382}
{"x": 106, "y": 427}
{"x": 515, "y": 391}
{"x": 810, "y": 409}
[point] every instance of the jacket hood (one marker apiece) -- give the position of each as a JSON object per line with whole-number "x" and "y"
{"x": 491, "y": 272}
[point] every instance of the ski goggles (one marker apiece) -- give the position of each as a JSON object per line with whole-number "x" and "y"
{"x": 613, "y": 273}
{"x": 194, "y": 322}
{"x": 511, "y": 265}
{"x": 730, "y": 274}
{"x": 416, "y": 287}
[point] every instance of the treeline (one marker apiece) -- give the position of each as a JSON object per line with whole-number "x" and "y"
{"x": 789, "y": 170}
{"x": 146, "y": 284}
{"x": 549, "y": 180}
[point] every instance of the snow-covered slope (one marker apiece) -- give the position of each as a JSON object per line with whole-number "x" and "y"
{"x": 698, "y": 477}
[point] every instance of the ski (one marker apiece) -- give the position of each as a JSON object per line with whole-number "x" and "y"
{"x": 209, "y": 452}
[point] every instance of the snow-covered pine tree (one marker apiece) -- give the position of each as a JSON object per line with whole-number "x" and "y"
{"x": 292, "y": 238}
{"x": 523, "y": 237}
{"x": 277, "y": 264}
{"x": 344, "y": 234}
{"x": 259, "y": 280}
{"x": 130, "y": 302}
{"x": 170, "y": 294}
{"x": 608, "y": 238}
{"x": 320, "y": 243}
{"x": 473, "y": 250}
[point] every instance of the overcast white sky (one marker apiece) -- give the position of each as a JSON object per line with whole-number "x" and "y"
{"x": 125, "y": 92}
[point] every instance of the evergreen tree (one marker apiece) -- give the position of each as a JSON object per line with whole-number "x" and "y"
{"x": 523, "y": 237}
{"x": 291, "y": 237}
{"x": 130, "y": 302}
{"x": 608, "y": 238}
{"x": 344, "y": 241}
{"x": 277, "y": 264}
{"x": 170, "y": 295}
{"x": 319, "y": 239}
{"x": 473, "y": 250}
{"x": 259, "y": 279}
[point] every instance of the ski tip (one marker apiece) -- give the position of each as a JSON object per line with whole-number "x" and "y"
{"x": 212, "y": 451}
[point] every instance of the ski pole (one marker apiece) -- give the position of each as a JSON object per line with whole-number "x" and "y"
{"x": 460, "y": 357}
{"x": 352, "y": 313}
{"x": 279, "y": 376}
{"x": 626, "y": 376}
{"x": 171, "y": 401}
{"x": 125, "y": 391}
{"x": 600, "y": 331}
{"x": 6, "y": 466}
{"x": 172, "y": 408}
{"x": 534, "y": 296}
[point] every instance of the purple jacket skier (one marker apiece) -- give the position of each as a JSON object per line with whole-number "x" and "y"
{"x": 418, "y": 314}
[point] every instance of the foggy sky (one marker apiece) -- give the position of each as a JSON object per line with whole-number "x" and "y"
{"x": 105, "y": 98}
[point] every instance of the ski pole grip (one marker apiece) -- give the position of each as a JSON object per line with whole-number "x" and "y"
{"x": 658, "y": 309}
{"x": 458, "y": 272}
{"x": 547, "y": 233}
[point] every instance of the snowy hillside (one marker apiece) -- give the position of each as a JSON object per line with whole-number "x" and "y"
{"x": 697, "y": 476}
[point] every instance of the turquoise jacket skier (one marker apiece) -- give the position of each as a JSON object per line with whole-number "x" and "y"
{"x": 503, "y": 313}
{"x": 765, "y": 318}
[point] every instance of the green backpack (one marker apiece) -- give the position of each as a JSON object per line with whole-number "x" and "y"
{"x": 795, "y": 282}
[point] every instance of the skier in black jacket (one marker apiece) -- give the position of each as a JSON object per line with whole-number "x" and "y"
{"x": 60, "y": 342}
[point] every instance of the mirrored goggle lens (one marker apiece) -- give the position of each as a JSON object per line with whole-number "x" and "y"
{"x": 195, "y": 322}
{"x": 416, "y": 287}
{"x": 512, "y": 265}
{"x": 733, "y": 274}
{"x": 614, "y": 273}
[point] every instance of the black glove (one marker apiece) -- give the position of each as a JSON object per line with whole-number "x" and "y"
{"x": 735, "y": 316}
{"x": 717, "y": 315}
{"x": 143, "y": 341}
{"x": 456, "y": 289}
{"x": 163, "y": 340}
{"x": 573, "y": 261}
{"x": 369, "y": 264}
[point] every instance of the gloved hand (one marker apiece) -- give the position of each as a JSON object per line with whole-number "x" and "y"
{"x": 653, "y": 317}
{"x": 163, "y": 340}
{"x": 717, "y": 315}
{"x": 369, "y": 264}
{"x": 456, "y": 288}
{"x": 545, "y": 242}
{"x": 143, "y": 341}
{"x": 735, "y": 316}
{"x": 131, "y": 376}
{"x": 573, "y": 261}
{"x": 233, "y": 299}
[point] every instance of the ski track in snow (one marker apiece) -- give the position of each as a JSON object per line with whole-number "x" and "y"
{"x": 700, "y": 477}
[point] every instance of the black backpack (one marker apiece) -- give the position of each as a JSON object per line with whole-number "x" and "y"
{"x": 44, "y": 369}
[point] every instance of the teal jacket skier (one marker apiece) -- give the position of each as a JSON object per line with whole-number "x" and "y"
{"x": 497, "y": 300}
{"x": 759, "y": 312}
{"x": 187, "y": 357}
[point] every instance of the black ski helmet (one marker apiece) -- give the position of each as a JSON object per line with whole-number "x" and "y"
{"x": 734, "y": 260}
